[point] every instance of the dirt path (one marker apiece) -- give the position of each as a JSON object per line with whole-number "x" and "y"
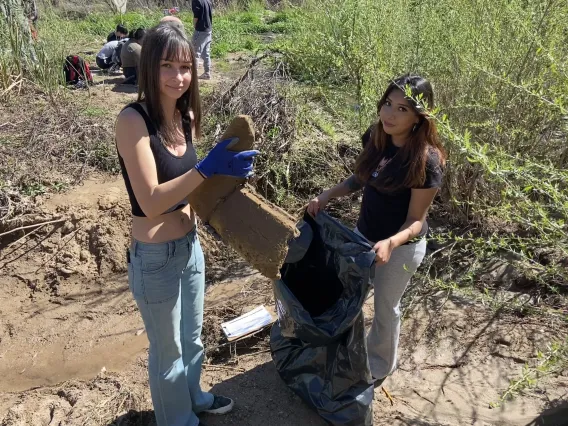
{"x": 73, "y": 349}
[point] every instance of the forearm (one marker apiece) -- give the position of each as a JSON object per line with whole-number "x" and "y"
{"x": 167, "y": 194}
{"x": 348, "y": 186}
{"x": 407, "y": 232}
{"x": 194, "y": 22}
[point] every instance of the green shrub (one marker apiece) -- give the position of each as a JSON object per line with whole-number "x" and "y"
{"x": 499, "y": 70}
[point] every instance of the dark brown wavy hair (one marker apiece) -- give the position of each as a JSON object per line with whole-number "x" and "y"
{"x": 166, "y": 41}
{"x": 414, "y": 154}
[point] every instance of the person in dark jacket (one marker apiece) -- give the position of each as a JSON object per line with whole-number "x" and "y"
{"x": 118, "y": 34}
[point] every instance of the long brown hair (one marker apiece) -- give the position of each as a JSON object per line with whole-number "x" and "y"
{"x": 414, "y": 154}
{"x": 166, "y": 41}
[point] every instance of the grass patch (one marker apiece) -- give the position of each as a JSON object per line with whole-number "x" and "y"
{"x": 93, "y": 111}
{"x": 238, "y": 30}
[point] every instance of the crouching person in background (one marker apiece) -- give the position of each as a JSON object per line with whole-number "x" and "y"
{"x": 130, "y": 56}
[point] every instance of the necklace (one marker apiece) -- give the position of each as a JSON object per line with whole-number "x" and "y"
{"x": 175, "y": 121}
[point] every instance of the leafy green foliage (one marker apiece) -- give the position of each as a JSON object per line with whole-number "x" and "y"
{"x": 499, "y": 70}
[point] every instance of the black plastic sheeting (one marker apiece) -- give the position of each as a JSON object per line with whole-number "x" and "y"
{"x": 318, "y": 343}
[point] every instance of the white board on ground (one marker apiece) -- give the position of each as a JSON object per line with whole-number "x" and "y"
{"x": 247, "y": 323}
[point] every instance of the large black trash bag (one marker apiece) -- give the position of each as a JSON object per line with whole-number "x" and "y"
{"x": 318, "y": 344}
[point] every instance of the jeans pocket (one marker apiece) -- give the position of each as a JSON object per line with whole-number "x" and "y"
{"x": 162, "y": 286}
{"x": 154, "y": 264}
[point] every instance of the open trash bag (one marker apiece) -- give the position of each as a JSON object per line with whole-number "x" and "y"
{"x": 318, "y": 343}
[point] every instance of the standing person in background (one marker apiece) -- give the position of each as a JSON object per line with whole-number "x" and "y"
{"x": 118, "y": 34}
{"x": 400, "y": 172}
{"x": 130, "y": 56}
{"x": 202, "y": 22}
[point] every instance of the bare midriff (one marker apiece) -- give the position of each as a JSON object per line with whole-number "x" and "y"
{"x": 167, "y": 227}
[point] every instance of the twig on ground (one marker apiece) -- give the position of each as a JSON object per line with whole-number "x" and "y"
{"x": 23, "y": 237}
{"x": 254, "y": 353}
{"x": 223, "y": 367}
{"x": 388, "y": 395}
{"x": 229, "y": 93}
{"x": 7, "y": 206}
{"x": 434, "y": 366}
{"x": 21, "y": 228}
{"x": 424, "y": 398}
{"x": 18, "y": 81}
{"x": 11, "y": 124}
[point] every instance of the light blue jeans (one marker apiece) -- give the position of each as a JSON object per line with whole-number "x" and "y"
{"x": 202, "y": 45}
{"x": 391, "y": 279}
{"x": 168, "y": 284}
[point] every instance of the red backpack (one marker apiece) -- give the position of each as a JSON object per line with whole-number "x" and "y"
{"x": 77, "y": 69}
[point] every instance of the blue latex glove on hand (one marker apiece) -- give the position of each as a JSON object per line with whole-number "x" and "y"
{"x": 221, "y": 161}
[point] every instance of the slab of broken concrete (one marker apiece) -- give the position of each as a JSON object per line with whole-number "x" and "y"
{"x": 257, "y": 229}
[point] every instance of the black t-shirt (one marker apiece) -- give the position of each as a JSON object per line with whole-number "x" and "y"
{"x": 202, "y": 10}
{"x": 111, "y": 36}
{"x": 384, "y": 212}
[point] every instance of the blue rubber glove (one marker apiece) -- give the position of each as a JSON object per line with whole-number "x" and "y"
{"x": 221, "y": 161}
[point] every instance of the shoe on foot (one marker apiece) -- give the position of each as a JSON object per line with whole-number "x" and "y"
{"x": 221, "y": 405}
{"x": 205, "y": 76}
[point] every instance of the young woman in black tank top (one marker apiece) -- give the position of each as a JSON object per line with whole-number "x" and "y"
{"x": 166, "y": 275}
{"x": 400, "y": 172}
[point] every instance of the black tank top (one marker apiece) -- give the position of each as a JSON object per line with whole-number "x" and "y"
{"x": 168, "y": 165}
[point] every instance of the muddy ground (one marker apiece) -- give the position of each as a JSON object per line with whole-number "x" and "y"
{"x": 73, "y": 349}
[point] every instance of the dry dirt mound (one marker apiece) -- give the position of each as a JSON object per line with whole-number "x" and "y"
{"x": 86, "y": 235}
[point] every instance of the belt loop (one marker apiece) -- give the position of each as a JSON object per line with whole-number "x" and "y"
{"x": 172, "y": 248}
{"x": 135, "y": 247}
